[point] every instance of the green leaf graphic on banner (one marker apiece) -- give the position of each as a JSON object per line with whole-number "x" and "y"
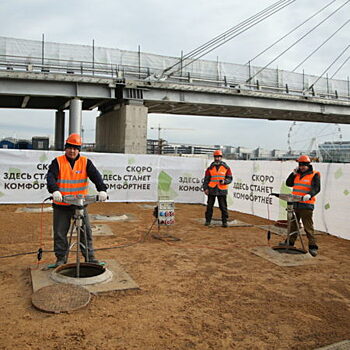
{"x": 2, "y": 194}
{"x": 346, "y": 192}
{"x": 107, "y": 172}
{"x": 43, "y": 158}
{"x": 338, "y": 173}
{"x": 131, "y": 161}
{"x": 327, "y": 206}
{"x": 164, "y": 186}
{"x": 164, "y": 181}
{"x": 229, "y": 200}
{"x": 256, "y": 167}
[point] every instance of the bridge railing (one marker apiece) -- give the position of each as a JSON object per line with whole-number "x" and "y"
{"x": 123, "y": 71}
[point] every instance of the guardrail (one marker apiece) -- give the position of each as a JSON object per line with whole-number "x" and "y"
{"x": 122, "y": 71}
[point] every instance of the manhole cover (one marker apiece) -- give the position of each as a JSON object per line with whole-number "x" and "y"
{"x": 59, "y": 298}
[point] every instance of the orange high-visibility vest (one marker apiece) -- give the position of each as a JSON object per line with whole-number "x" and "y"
{"x": 302, "y": 186}
{"x": 72, "y": 181}
{"x": 216, "y": 176}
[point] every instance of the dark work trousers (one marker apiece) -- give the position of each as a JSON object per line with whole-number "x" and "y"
{"x": 305, "y": 215}
{"x": 222, "y": 205}
{"x": 62, "y": 218}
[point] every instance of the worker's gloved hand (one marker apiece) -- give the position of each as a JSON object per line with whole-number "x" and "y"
{"x": 102, "y": 196}
{"x": 306, "y": 197}
{"x": 222, "y": 182}
{"x": 57, "y": 196}
{"x": 295, "y": 171}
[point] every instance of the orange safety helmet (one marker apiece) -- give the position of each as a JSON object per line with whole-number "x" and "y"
{"x": 303, "y": 159}
{"x": 74, "y": 139}
{"x": 217, "y": 153}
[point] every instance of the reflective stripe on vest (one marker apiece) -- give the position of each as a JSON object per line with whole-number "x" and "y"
{"x": 302, "y": 186}
{"x": 72, "y": 181}
{"x": 216, "y": 176}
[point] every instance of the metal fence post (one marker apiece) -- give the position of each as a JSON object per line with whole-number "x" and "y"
{"x": 139, "y": 57}
{"x": 93, "y": 56}
{"x": 42, "y": 49}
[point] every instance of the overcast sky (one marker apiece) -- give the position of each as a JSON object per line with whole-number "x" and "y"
{"x": 168, "y": 27}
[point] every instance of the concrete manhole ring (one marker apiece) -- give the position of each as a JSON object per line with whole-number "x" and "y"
{"x": 59, "y": 298}
{"x": 88, "y": 274}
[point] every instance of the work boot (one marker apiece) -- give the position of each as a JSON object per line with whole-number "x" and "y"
{"x": 313, "y": 250}
{"x": 60, "y": 261}
{"x": 224, "y": 224}
{"x": 207, "y": 223}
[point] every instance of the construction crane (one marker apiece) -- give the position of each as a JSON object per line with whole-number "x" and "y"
{"x": 160, "y": 141}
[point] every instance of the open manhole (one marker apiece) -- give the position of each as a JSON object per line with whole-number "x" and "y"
{"x": 289, "y": 250}
{"x": 59, "y": 298}
{"x": 88, "y": 274}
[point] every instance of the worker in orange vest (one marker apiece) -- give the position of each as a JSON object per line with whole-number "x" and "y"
{"x": 306, "y": 183}
{"x": 70, "y": 174}
{"x": 216, "y": 180}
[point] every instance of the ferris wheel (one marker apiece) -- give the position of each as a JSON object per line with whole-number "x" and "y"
{"x": 321, "y": 140}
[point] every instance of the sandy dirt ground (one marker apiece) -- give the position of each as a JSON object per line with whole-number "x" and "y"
{"x": 206, "y": 291}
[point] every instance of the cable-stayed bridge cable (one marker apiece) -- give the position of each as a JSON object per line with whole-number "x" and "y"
{"x": 327, "y": 69}
{"x": 235, "y": 28}
{"x": 230, "y": 38}
{"x": 324, "y": 42}
{"x": 230, "y": 34}
{"x": 340, "y": 67}
{"x": 291, "y": 31}
{"x": 297, "y": 41}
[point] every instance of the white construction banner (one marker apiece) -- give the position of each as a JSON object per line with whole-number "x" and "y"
{"x": 254, "y": 181}
{"x": 147, "y": 178}
{"x": 180, "y": 179}
{"x": 130, "y": 178}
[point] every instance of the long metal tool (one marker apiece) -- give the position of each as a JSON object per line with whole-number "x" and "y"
{"x": 291, "y": 217}
{"x": 78, "y": 225}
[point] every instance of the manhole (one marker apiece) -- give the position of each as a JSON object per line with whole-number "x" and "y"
{"x": 33, "y": 210}
{"x": 289, "y": 250}
{"x": 59, "y": 298}
{"x": 88, "y": 274}
{"x": 97, "y": 217}
{"x": 289, "y": 259}
{"x": 230, "y": 223}
{"x": 147, "y": 206}
{"x": 120, "y": 280}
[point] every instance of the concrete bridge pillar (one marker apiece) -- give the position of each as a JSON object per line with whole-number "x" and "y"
{"x": 75, "y": 116}
{"x": 59, "y": 130}
{"x": 123, "y": 130}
